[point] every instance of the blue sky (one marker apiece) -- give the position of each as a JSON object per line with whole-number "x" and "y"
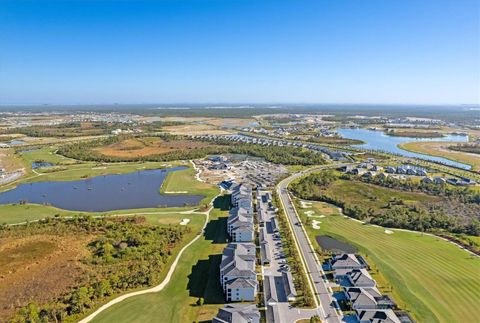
{"x": 335, "y": 51}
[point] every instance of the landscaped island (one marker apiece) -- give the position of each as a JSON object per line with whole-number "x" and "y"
{"x": 414, "y": 133}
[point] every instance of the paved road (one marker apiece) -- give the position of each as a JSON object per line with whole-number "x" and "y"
{"x": 326, "y": 308}
{"x": 279, "y": 311}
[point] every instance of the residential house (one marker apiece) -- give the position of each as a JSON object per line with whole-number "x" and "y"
{"x": 461, "y": 182}
{"x": 411, "y": 171}
{"x": 339, "y": 274}
{"x": 401, "y": 170}
{"x": 346, "y": 168}
{"x": 360, "y": 278}
{"x": 421, "y": 172}
{"x": 427, "y": 180}
{"x": 358, "y": 171}
{"x": 377, "y": 316}
{"x": 382, "y": 175}
{"x": 238, "y": 313}
{"x": 348, "y": 261}
{"x": 391, "y": 170}
{"x": 439, "y": 180}
{"x": 369, "y": 174}
{"x": 367, "y": 298}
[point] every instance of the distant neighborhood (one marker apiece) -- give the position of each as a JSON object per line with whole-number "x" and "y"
{"x": 333, "y": 154}
{"x": 401, "y": 172}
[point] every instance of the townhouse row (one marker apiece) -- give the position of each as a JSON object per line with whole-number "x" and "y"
{"x": 237, "y": 269}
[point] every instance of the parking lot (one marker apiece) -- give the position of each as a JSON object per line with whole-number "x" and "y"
{"x": 255, "y": 172}
{"x": 276, "y": 290}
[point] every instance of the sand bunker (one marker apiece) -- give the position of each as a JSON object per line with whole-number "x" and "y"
{"x": 305, "y": 205}
{"x": 184, "y": 221}
{"x": 315, "y": 224}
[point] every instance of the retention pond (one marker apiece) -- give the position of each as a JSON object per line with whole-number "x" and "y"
{"x": 334, "y": 245}
{"x": 103, "y": 193}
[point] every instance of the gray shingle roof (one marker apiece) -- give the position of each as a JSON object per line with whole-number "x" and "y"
{"x": 238, "y": 313}
{"x": 378, "y": 316}
{"x": 347, "y": 260}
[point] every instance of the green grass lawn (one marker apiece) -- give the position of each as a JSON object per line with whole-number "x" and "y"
{"x": 433, "y": 279}
{"x": 184, "y": 182}
{"x": 196, "y": 276}
{"x": 196, "y": 220}
{"x": 15, "y": 213}
{"x": 47, "y": 154}
{"x": 439, "y": 148}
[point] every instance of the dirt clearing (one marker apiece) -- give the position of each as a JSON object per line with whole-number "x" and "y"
{"x": 139, "y": 147}
{"x": 195, "y": 129}
{"x": 39, "y": 267}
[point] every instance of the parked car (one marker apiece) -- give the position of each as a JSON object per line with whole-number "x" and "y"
{"x": 285, "y": 268}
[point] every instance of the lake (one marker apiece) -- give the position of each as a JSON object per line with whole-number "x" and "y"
{"x": 103, "y": 193}
{"x": 378, "y": 140}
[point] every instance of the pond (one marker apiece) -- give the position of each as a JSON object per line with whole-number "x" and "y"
{"x": 16, "y": 142}
{"x": 40, "y": 164}
{"x": 103, "y": 193}
{"x": 334, "y": 245}
{"x": 28, "y": 150}
{"x": 378, "y": 140}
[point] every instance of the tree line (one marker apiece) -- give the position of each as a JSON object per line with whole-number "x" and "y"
{"x": 396, "y": 214}
{"x": 125, "y": 254}
{"x": 275, "y": 154}
{"x": 467, "y": 148}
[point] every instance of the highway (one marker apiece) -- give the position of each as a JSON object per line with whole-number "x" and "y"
{"x": 326, "y": 307}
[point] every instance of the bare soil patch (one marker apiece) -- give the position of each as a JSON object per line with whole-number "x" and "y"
{"x": 139, "y": 147}
{"x": 231, "y": 122}
{"x": 195, "y": 129}
{"x": 39, "y": 268}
